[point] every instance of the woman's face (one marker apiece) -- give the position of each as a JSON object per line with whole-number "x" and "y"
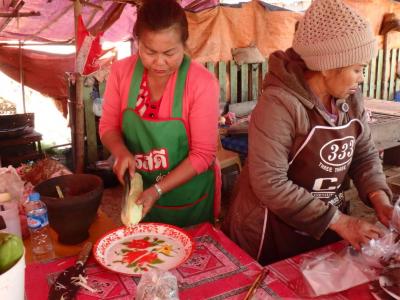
{"x": 161, "y": 51}
{"x": 342, "y": 82}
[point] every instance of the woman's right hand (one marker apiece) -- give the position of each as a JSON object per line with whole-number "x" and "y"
{"x": 124, "y": 160}
{"x": 355, "y": 230}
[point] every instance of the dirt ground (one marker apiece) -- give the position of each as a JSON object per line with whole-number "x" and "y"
{"x": 359, "y": 209}
{"x": 111, "y": 204}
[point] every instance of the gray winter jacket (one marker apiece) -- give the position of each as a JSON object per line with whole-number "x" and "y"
{"x": 279, "y": 125}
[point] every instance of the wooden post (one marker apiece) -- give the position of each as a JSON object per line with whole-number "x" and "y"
{"x": 389, "y": 23}
{"x": 72, "y": 113}
{"x": 21, "y": 76}
{"x": 79, "y": 118}
{"x": 385, "y": 79}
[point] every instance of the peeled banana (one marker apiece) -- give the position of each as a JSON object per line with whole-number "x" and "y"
{"x": 131, "y": 213}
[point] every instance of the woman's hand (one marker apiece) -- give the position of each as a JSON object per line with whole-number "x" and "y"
{"x": 124, "y": 161}
{"x": 381, "y": 203}
{"x": 356, "y": 231}
{"x": 148, "y": 198}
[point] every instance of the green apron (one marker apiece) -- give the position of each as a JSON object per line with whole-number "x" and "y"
{"x": 159, "y": 146}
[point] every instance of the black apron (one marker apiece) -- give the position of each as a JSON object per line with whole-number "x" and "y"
{"x": 320, "y": 165}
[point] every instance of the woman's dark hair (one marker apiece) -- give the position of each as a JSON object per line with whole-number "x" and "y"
{"x": 157, "y": 15}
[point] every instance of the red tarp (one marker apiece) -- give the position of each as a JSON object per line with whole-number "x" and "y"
{"x": 213, "y": 32}
{"x": 56, "y": 20}
{"x": 43, "y": 72}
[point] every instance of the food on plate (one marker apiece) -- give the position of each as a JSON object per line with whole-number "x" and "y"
{"x": 131, "y": 213}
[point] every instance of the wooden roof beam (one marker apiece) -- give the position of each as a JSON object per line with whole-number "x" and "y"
{"x": 133, "y": 2}
{"x": 16, "y": 9}
{"x": 87, "y": 3}
{"x": 20, "y": 14}
{"x": 389, "y": 23}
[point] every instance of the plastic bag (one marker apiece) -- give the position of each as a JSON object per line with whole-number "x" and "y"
{"x": 379, "y": 252}
{"x": 331, "y": 273}
{"x": 11, "y": 183}
{"x": 97, "y": 107}
{"x": 395, "y": 221}
{"x": 157, "y": 285}
{"x": 42, "y": 170}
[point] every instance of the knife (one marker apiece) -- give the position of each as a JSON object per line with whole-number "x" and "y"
{"x": 3, "y": 224}
{"x": 127, "y": 188}
{"x": 65, "y": 287}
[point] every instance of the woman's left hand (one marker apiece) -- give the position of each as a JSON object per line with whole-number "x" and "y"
{"x": 382, "y": 206}
{"x": 147, "y": 198}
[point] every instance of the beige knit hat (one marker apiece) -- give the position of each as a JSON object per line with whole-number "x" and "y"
{"x": 332, "y": 35}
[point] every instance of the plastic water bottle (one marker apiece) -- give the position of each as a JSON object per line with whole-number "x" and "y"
{"x": 38, "y": 224}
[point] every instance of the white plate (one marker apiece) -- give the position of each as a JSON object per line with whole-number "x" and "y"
{"x": 137, "y": 249}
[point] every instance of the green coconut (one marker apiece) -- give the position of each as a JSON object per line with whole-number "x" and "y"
{"x": 11, "y": 250}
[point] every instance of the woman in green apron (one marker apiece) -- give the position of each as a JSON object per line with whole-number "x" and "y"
{"x": 160, "y": 117}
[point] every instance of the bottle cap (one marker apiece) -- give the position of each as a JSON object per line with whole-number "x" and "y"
{"x": 34, "y": 197}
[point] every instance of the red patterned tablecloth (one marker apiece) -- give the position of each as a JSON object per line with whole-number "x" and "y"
{"x": 286, "y": 280}
{"x": 217, "y": 269}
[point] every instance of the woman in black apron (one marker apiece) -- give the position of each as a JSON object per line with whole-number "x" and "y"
{"x": 308, "y": 133}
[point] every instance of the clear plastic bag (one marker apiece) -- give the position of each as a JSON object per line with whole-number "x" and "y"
{"x": 157, "y": 285}
{"x": 332, "y": 272}
{"x": 11, "y": 183}
{"x": 379, "y": 252}
{"x": 395, "y": 222}
{"x": 97, "y": 107}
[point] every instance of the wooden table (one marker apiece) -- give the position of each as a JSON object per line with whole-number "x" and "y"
{"x": 217, "y": 269}
{"x": 385, "y": 128}
{"x": 383, "y": 106}
{"x": 286, "y": 280}
{"x": 100, "y": 226}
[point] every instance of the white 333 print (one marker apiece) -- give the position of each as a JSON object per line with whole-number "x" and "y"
{"x": 338, "y": 152}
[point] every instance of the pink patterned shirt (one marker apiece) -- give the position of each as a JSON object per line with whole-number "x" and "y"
{"x": 200, "y": 107}
{"x": 144, "y": 106}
